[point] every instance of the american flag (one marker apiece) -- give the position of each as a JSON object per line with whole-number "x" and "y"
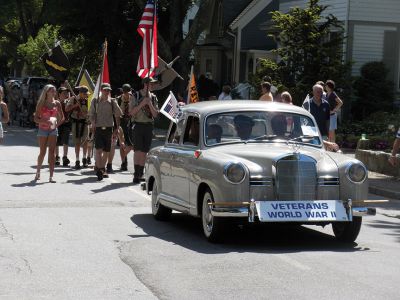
{"x": 170, "y": 109}
{"x": 148, "y": 59}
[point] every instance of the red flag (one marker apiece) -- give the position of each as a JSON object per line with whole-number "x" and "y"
{"x": 105, "y": 75}
{"x": 148, "y": 59}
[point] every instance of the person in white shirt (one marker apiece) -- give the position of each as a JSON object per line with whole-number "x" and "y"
{"x": 226, "y": 93}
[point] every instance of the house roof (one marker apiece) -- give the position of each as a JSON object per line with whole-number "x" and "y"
{"x": 250, "y": 11}
{"x": 233, "y": 8}
{"x": 248, "y": 7}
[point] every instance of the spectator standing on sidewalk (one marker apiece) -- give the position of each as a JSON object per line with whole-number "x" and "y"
{"x": 320, "y": 110}
{"x": 335, "y": 103}
{"x": 126, "y": 123}
{"x": 64, "y": 129}
{"x": 3, "y": 112}
{"x": 266, "y": 92}
{"x": 144, "y": 109}
{"x": 226, "y": 93}
{"x": 48, "y": 115}
{"x": 105, "y": 116}
{"x": 395, "y": 149}
{"x": 78, "y": 108}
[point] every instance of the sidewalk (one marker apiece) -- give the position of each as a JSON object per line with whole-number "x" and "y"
{"x": 383, "y": 185}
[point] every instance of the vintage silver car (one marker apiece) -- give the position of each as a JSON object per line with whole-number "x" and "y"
{"x": 262, "y": 162}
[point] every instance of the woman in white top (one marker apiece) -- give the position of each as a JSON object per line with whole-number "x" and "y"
{"x": 226, "y": 93}
{"x": 4, "y": 115}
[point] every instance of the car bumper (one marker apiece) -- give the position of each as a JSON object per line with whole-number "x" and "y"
{"x": 248, "y": 210}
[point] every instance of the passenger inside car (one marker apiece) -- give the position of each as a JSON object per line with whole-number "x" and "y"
{"x": 279, "y": 125}
{"x": 244, "y": 126}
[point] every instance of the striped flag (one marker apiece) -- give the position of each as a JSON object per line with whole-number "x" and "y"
{"x": 148, "y": 59}
{"x": 170, "y": 108}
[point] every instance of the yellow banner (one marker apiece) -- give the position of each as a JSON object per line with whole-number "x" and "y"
{"x": 193, "y": 96}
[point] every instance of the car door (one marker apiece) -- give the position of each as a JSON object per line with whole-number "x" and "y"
{"x": 168, "y": 164}
{"x": 189, "y": 163}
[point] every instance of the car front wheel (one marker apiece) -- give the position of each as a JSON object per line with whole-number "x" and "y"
{"x": 212, "y": 226}
{"x": 160, "y": 212}
{"x": 347, "y": 231}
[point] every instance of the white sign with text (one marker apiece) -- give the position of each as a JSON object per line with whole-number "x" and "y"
{"x": 301, "y": 211}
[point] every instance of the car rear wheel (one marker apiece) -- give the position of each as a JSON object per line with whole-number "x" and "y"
{"x": 347, "y": 231}
{"x": 212, "y": 226}
{"x": 160, "y": 212}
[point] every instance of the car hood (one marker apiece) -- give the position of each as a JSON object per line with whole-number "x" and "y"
{"x": 260, "y": 157}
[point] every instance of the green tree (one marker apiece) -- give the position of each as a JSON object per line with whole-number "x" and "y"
{"x": 310, "y": 49}
{"x": 373, "y": 91}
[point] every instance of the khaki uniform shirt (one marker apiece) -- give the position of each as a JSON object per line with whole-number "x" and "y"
{"x": 101, "y": 112}
{"x": 125, "y": 106}
{"x": 80, "y": 113}
{"x": 144, "y": 115}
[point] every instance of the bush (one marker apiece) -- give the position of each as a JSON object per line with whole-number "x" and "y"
{"x": 373, "y": 91}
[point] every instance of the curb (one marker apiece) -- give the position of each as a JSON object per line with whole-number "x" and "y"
{"x": 385, "y": 193}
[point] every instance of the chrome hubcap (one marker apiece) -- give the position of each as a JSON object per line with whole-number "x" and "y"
{"x": 207, "y": 216}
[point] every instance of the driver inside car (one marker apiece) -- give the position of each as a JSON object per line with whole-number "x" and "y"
{"x": 279, "y": 125}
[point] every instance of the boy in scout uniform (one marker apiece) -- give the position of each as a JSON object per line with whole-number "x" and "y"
{"x": 105, "y": 116}
{"x": 78, "y": 107}
{"x": 143, "y": 108}
{"x": 124, "y": 101}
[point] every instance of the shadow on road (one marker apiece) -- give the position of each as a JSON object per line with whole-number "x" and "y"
{"x": 392, "y": 227}
{"x": 31, "y": 183}
{"x": 187, "y": 232}
{"x": 112, "y": 186}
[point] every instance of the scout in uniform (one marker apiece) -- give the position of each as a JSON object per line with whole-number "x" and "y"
{"x": 143, "y": 108}
{"x": 78, "y": 107}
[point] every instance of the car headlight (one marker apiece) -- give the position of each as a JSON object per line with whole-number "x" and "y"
{"x": 235, "y": 172}
{"x": 356, "y": 172}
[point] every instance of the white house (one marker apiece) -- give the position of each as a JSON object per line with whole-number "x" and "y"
{"x": 372, "y": 29}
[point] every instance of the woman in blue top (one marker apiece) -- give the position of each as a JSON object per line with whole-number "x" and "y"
{"x": 4, "y": 116}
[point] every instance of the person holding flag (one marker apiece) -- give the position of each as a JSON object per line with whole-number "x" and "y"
{"x": 143, "y": 109}
{"x": 103, "y": 111}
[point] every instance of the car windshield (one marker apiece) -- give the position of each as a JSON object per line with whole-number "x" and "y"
{"x": 260, "y": 126}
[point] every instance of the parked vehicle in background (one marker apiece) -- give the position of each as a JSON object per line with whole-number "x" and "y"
{"x": 258, "y": 162}
{"x": 31, "y": 88}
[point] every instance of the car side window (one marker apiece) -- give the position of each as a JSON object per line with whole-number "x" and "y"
{"x": 176, "y": 132}
{"x": 192, "y": 131}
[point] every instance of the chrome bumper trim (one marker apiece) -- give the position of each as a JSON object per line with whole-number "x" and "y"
{"x": 230, "y": 212}
{"x": 363, "y": 211}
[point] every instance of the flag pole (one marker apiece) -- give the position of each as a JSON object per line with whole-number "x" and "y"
{"x": 151, "y": 46}
{"x": 80, "y": 71}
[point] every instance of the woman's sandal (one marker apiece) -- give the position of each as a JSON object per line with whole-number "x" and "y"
{"x": 51, "y": 180}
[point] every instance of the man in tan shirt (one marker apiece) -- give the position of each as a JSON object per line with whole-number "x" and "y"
{"x": 143, "y": 108}
{"x": 105, "y": 116}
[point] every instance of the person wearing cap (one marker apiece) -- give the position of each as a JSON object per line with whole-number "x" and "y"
{"x": 78, "y": 108}
{"x": 143, "y": 109}
{"x": 105, "y": 116}
{"x": 64, "y": 129}
{"x": 123, "y": 102}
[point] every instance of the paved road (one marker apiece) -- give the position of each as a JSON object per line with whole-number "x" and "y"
{"x": 83, "y": 239}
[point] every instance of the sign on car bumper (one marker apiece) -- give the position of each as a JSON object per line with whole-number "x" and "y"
{"x": 301, "y": 211}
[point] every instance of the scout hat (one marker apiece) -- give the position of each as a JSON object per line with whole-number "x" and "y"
{"x": 106, "y": 86}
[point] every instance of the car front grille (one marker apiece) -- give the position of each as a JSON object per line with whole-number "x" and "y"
{"x": 296, "y": 178}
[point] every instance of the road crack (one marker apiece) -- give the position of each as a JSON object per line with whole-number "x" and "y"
{"x": 4, "y": 231}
